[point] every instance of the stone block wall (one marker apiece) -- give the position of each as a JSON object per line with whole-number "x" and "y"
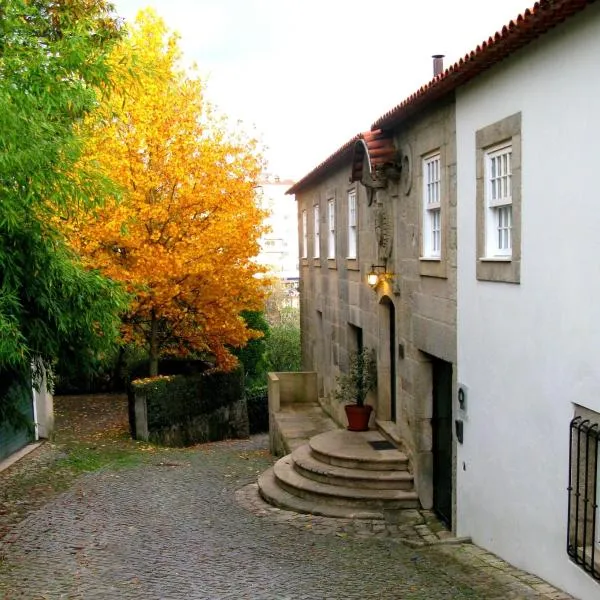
{"x": 338, "y": 307}
{"x": 181, "y": 411}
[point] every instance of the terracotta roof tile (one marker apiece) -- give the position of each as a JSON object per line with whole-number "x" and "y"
{"x": 337, "y": 158}
{"x": 544, "y": 15}
{"x": 379, "y": 149}
{"x": 534, "y": 22}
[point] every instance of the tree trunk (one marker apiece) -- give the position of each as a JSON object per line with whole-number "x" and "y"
{"x": 153, "y": 345}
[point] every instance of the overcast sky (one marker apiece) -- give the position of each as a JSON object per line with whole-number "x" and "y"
{"x": 307, "y": 75}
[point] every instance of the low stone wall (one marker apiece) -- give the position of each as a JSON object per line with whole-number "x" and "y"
{"x": 180, "y": 411}
{"x": 294, "y": 412}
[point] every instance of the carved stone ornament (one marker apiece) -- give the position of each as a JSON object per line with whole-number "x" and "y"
{"x": 384, "y": 230}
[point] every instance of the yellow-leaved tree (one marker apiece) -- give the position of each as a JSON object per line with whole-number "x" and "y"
{"x": 183, "y": 235}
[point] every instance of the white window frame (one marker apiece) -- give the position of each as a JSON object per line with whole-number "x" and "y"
{"x": 498, "y": 201}
{"x": 331, "y": 228}
{"x": 432, "y": 205}
{"x": 304, "y": 234}
{"x": 352, "y": 224}
{"x": 317, "y": 238}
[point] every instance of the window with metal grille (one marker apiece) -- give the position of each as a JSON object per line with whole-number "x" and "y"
{"x": 331, "y": 232}
{"x": 498, "y": 177}
{"x": 352, "y": 225}
{"x": 317, "y": 238}
{"x": 583, "y": 530}
{"x": 432, "y": 207}
{"x": 304, "y": 235}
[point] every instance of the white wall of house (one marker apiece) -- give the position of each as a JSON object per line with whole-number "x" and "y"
{"x": 43, "y": 410}
{"x": 528, "y": 351}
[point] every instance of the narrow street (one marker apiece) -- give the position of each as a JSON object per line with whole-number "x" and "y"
{"x": 151, "y": 523}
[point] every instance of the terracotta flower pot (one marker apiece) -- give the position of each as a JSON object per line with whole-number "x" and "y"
{"x": 358, "y": 417}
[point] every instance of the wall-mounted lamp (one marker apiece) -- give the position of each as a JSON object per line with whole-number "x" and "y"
{"x": 374, "y": 277}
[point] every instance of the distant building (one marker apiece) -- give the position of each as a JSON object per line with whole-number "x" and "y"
{"x": 279, "y": 247}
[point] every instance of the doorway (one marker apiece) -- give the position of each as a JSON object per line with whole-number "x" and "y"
{"x": 441, "y": 425}
{"x": 386, "y": 371}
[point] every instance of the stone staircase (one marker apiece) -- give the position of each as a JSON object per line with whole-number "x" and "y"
{"x": 341, "y": 474}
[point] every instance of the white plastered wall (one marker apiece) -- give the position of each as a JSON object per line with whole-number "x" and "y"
{"x": 527, "y": 352}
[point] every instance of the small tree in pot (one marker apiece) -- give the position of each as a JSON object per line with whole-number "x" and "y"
{"x": 354, "y": 386}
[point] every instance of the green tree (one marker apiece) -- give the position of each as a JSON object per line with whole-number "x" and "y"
{"x": 254, "y": 354}
{"x": 52, "y": 67}
{"x": 283, "y": 348}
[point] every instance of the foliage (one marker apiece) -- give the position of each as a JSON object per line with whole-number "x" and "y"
{"x": 174, "y": 401}
{"x": 257, "y": 400}
{"x": 283, "y": 348}
{"x": 253, "y": 354}
{"x": 184, "y": 233}
{"x": 52, "y": 59}
{"x": 360, "y": 379}
{"x": 282, "y": 303}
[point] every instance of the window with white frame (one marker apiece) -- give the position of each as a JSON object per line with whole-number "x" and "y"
{"x": 317, "y": 239}
{"x": 498, "y": 198}
{"x": 331, "y": 228}
{"x": 352, "y": 224}
{"x": 304, "y": 235}
{"x": 432, "y": 206}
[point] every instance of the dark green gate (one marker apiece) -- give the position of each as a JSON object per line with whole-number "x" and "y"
{"x": 14, "y": 437}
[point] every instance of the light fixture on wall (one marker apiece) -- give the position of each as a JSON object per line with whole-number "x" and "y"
{"x": 375, "y": 277}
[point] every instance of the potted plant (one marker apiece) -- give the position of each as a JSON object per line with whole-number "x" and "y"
{"x": 354, "y": 386}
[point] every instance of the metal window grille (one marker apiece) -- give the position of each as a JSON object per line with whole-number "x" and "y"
{"x": 583, "y": 535}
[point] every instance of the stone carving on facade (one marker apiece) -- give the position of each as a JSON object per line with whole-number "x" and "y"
{"x": 378, "y": 166}
{"x": 384, "y": 227}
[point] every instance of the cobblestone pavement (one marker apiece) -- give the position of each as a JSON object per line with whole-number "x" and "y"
{"x": 188, "y": 524}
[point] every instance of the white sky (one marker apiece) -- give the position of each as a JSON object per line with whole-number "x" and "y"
{"x": 307, "y": 75}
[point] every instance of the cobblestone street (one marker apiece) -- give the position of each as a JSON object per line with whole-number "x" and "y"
{"x": 188, "y": 524}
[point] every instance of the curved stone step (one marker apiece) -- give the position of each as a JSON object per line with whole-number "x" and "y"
{"x": 275, "y": 495}
{"x": 352, "y": 450}
{"x": 311, "y": 468}
{"x": 290, "y": 480}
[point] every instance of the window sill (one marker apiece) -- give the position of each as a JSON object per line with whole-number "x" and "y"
{"x": 331, "y": 263}
{"x": 316, "y": 262}
{"x": 352, "y": 264}
{"x": 430, "y": 258}
{"x": 501, "y": 259}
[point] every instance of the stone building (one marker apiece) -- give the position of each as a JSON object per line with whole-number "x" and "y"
{"x": 386, "y": 202}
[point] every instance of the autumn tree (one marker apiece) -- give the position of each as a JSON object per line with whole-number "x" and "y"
{"x": 183, "y": 235}
{"x": 53, "y": 61}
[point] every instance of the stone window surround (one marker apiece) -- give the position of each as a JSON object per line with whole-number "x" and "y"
{"x": 352, "y": 264}
{"x": 507, "y": 270}
{"x": 434, "y": 266}
{"x": 316, "y": 242}
{"x": 330, "y": 196}
{"x": 304, "y": 237}
{"x": 427, "y": 237}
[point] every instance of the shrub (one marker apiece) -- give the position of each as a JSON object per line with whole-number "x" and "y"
{"x": 253, "y": 354}
{"x": 183, "y": 410}
{"x": 257, "y": 400}
{"x": 283, "y": 348}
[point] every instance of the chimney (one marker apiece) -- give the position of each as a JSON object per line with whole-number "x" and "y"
{"x": 438, "y": 64}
